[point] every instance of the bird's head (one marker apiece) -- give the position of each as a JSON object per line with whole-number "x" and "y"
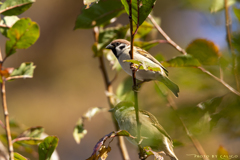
{"x": 118, "y": 46}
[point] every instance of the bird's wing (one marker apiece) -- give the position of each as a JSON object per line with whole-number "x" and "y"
{"x": 156, "y": 123}
{"x": 149, "y": 56}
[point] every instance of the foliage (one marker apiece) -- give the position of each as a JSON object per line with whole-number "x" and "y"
{"x": 21, "y": 33}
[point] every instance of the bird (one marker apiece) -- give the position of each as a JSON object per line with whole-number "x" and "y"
{"x": 152, "y": 133}
{"x": 121, "y": 48}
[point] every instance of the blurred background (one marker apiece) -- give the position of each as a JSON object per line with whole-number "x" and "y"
{"x": 67, "y": 80}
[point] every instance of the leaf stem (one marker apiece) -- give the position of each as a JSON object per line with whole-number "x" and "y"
{"x": 228, "y": 23}
{"x": 169, "y": 40}
{"x": 195, "y": 142}
{"x": 110, "y": 98}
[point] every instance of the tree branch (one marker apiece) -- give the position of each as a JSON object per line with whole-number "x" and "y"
{"x": 195, "y": 142}
{"x": 169, "y": 40}
{"x": 111, "y": 99}
{"x": 228, "y": 23}
{"x": 6, "y": 116}
{"x": 221, "y": 81}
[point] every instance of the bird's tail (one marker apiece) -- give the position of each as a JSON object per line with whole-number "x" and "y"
{"x": 172, "y": 86}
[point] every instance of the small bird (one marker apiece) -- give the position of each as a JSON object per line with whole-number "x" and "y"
{"x": 152, "y": 133}
{"x": 121, "y": 48}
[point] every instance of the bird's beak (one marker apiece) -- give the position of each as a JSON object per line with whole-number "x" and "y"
{"x": 111, "y": 110}
{"x": 110, "y": 46}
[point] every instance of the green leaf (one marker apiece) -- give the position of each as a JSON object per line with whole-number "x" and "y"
{"x": 18, "y": 156}
{"x": 109, "y": 34}
{"x": 79, "y": 132}
{"x": 218, "y": 5}
{"x": 161, "y": 89}
{"x": 145, "y": 9}
{"x": 143, "y": 65}
{"x": 123, "y": 133}
{"x": 34, "y": 132}
{"x": 236, "y": 41}
{"x": 237, "y": 13}
{"x": 24, "y": 71}
{"x": 12, "y": 7}
{"x": 46, "y": 148}
{"x": 22, "y": 35}
{"x": 99, "y": 14}
{"x": 143, "y": 30}
{"x": 150, "y": 152}
{"x": 205, "y": 51}
{"x": 182, "y": 61}
{"x": 8, "y": 21}
{"x": 211, "y": 105}
{"x": 29, "y": 141}
{"x": 124, "y": 89}
{"x": 146, "y": 45}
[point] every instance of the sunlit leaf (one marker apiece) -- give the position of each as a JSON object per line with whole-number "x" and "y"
{"x": 103, "y": 152}
{"x": 18, "y": 156}
{"x": 34, "y": 132}
{"x": 8, "y": 21}
{"x": 237, "y": 13}
{"x": 11, "y": 7}
{"x": 24, "y": 71}
{"x": 143, "y": 65}
{"x": 222, "y": 153}
{"x": 88, "y": 3}
{"x": 143, "y": 30}
{"x": 145, "y": 9}
{"x": 22, "y": 35}
{"x": 79, "y": 132}
{"x": 99, "y": 14}
{"x": 218, "y": 5}
{"x": 28, "y": 140}
{"x": 150, "y": 152}
{"x": 205, "y": 51}
{"x": 182, "y": 61}
{"x": 46, "y": 148}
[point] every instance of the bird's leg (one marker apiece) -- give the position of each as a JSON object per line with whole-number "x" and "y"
{"x": 142, "y": 153}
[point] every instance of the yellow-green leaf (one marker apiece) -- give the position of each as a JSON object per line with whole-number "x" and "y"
{"x": 205, "y": 51}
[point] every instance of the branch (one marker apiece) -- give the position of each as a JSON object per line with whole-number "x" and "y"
{"x": 6, "y": 116}
{"x": 4, "y": 26}
{"x": 221, "y": 81}
{"x": 228, "y": 31}
{"x": 185, "y": 53}
{"x": 169, "y": 40}
{"x": 111, "y": 99}
{"x": 195, "y": 142}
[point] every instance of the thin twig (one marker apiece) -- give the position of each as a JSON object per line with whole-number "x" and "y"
{"x": 229, "y": 41}
{"x": 170, "y": 41}
{"x": 6, "y": 116}
{"x": 195, "y": 142}
{"x": 221, "y": 81}
{"x": 4, "y": 26}
{"x": 111, "y": 99}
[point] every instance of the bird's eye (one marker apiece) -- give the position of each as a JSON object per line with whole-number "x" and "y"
{"x": 121, "y": 47}
{"x": 117, "y": 43}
